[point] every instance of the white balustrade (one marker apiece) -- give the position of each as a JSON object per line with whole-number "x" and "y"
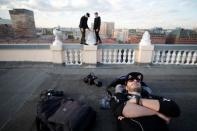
{"x": 182, "y": 57}
{"x": 118, "y": 56}
{"x": 72, "y": 57}
{"x": 125, "y": 55}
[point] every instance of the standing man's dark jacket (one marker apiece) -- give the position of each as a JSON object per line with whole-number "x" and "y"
{"x": 83, "y": 23}
{"x": 97, "y": 23}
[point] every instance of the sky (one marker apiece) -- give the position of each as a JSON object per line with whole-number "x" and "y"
{"x": 130, "y": 14}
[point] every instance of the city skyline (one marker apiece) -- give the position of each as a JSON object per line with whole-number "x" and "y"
{"x": 124, "y": 13}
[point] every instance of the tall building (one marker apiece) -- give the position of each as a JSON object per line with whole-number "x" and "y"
{"x": 182, "y": 36}
{"x": 23, "y": 23}
{"x": 107, "y": 29}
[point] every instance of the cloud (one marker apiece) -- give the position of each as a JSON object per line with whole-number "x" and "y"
{"x": 125, "y": 13}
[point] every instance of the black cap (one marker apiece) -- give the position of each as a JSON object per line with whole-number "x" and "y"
{"x": 134, "y": 75}
{"x": 88, "y": 14}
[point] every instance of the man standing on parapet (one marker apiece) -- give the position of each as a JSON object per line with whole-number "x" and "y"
{"x": 83, "y": 26}
{"x": 97, "y": 24}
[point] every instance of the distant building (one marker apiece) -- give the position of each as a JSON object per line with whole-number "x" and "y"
{"x": 182, "y": 36}
{"x": 6, "y": 29}
{"x": 157, "y": 36}
{"x": 72, "y": 33}
{"x": 107, "y": 29}
{"x": 121, "y": 35}
{"x": 23, "y": 23}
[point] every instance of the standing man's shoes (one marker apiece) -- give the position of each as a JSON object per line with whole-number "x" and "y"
{"x": 85, "y": 44}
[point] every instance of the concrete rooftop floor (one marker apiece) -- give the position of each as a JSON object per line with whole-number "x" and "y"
{"x": 21, "y": 83}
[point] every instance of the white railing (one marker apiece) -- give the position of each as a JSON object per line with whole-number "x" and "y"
{"x": 117, "y": 54}
{"x": 73, "y": 54}
{"x": 175, "y": 54}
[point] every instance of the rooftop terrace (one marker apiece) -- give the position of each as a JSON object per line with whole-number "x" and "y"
{"x": 21, "y": 83}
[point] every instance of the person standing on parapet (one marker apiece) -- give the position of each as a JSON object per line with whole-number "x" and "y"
{"x": 83, "y": 26}
{"x": 97, "y": 24}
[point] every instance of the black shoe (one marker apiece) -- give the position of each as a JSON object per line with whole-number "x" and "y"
{"x": 85, "y": 44}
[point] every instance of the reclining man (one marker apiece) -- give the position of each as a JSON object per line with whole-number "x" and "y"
{"x": 137, "y": 113}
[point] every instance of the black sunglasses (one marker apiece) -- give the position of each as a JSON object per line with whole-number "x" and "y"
{"x": 132, "y": 79}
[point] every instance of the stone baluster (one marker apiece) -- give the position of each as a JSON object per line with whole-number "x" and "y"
{"x": 178, "y": 58}
{"x": 71, "y": 56}
{"x": 157, "y": 57}
{"x": 183, "y": 58}
{"x": 129, "y": 57}
{"x": 189, "y": 56}
{"x": 168, "y": 57}
{"x": 133, "y": 57}
{"x": 76, "y": 57}
{"x": 163, "y": 56}
{"x": 124, "y": 55}
{"x": 194, "y": 58}
{"x": 173, "y": 58}
{"x": 66, "y": 57}
{"x": 110, "y": 56}
{"x": 105, "y": 56}
{"x": 115, "y": 56}
{"x": 80, "y": 57}
{"x": 119, "y": 56}
{"x": 99, "y": 54}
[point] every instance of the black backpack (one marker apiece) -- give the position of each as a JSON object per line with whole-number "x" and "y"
{"x": 56, "y": 112}
{"x": 50, "y": 101}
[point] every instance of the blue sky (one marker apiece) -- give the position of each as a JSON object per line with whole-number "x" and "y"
{"x": 125, "y": 13}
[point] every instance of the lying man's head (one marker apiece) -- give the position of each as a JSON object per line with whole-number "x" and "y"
{"x": 133, "y": 82}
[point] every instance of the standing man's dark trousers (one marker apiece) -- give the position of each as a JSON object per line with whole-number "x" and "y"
{"x": 83, "y": 35}
{"x": 98, "y": 39}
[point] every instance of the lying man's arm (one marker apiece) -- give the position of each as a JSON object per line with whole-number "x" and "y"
{"x": 132, "y": 110}
{"x": 163, "y": 108}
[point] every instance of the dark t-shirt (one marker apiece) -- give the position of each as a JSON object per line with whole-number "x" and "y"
{"x": 146, "y": 123}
